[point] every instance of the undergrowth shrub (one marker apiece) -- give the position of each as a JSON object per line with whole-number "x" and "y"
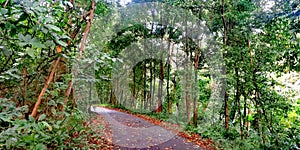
{"x": 44, "y": 133}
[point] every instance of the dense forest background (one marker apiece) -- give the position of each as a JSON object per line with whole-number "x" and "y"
{"x": 241, "y": 89}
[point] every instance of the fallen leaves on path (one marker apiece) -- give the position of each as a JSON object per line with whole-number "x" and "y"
{"x": 190, "y": 137}
{"x": 103, "y": 135}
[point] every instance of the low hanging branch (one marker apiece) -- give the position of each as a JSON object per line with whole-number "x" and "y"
{"x": 37, "y": 104}
{"x": 86, "y": 31}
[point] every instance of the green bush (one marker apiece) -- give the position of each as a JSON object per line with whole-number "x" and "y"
{"x": 18, "y": 133}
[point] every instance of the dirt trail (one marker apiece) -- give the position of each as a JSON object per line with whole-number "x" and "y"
{"x": 131, "y": 132}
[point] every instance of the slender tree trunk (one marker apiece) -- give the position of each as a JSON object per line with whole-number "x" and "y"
{"x": 187, "y": 96}
{"x": 224, "y": 42}
{"x": 175, "y": 84}
{"x": 195, "y": 105}
{"x": 122, "y": 100}
{"x": 50, "y": 77}
{"x": 174, "y": 91}
{"x": 226, "y": 111}
{"x": 134, "y": 88}
{"x": 197, "y": 59}
{"x": 237, "y": 99}
{"x": 187, "y": 77}
{"x": 111, "y": 96}
{"x": 145, "y": 85}
{"x": 160, "y": 87}
{"x": 188, "y": 106}
{"x": 151, "y": 86}
{"x": 86, "y": 31}
{"x": 114, "y": 98}
{"x": 168, "y": 79}
{"x": 154, "y": 87}
{"x": 161, "y": 77}
{"x": 195, "y": 108}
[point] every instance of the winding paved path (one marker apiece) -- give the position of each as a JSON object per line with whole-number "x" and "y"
{"x": 130, "y": 132}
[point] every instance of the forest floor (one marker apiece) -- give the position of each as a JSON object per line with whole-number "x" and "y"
{"x": 124, "y": 130}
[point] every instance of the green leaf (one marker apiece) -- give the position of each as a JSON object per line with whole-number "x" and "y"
{"x": 4, "y": 118}
{"x": 101, "y": 8}
{"x": 3, "y": 10}
{"x": 26, "y": 38}
{"x": 64, "y": 44}
{"x": 46, "y": 124}
{"x": 28, "y": 138}
{"x": 30, "y": 52}
{"x": 31, "y": 119}
{"x": 41, "y": 146}
{"x": 37, "y": 43}
{"x": 53, "y": 27}
{"x": 23, "y": 44}
{"x": 13, "y": 73}
{"x": 7, "y": 52}
{"x": 250, "y": 118}
{"x": 49, "y": 43}
{"x": 65, "y": 37}
{"x": 10, "y": 142}
{"x": 42, "y": 117}
{"x": 52, "y": 103}
{"x": 23, "y": 16}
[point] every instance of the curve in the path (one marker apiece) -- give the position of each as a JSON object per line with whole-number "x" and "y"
{"x": 130, "y": 132}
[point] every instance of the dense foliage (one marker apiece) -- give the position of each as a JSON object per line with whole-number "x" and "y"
{"x": 39, "y": 42}
{"x": 59, "y": 57}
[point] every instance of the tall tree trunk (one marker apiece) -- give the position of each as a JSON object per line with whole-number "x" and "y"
{"x": 114, "y": 98}
{"x": 188, "y": 106}
{"x": 237, "y": 99}
{"x": 160, "y": 87}
{"x": 154, "y": 87}
{"x": 195, "y": 108}
{"x": 187, "y": 96}
{"x": 49, "y": 79}
{"x": 123, "y": 99}
{"x": 226, "y": 112}
{"x": 196, "y": 63}
{"x": 134, "y": 88}
{"x": 175, "y": 83}
{"x": 224, "y": 42}
{"x": 174, "y": 91}
{"x": 145, "y": 84}
{"x": 151, "y": 86}
{"x": 187, "y": 77}
{"x": 111, "y": 96}
{"x": 168, "y": 79}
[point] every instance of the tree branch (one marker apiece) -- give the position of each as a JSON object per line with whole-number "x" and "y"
{"x": 37, "y": 104}
{"x": 86, "y": 31}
